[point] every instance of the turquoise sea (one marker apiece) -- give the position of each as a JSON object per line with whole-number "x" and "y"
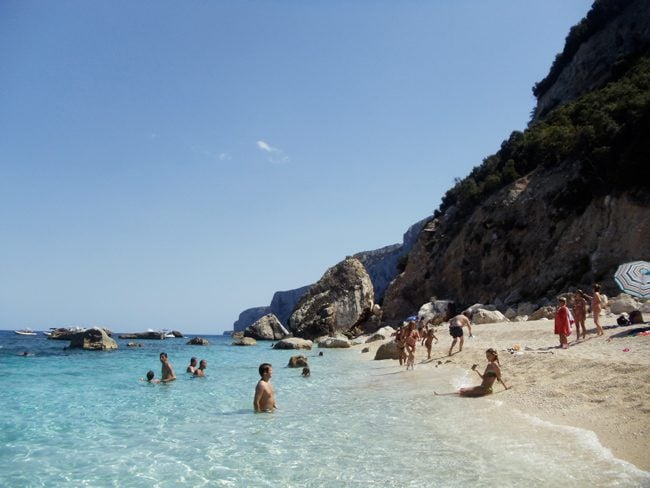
{"x": 77, "y": 418}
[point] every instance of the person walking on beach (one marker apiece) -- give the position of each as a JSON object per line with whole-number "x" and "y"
{"x": 596, "y": 308}
{"x": 264, "y": 400}
{"x": 429, "y": 341}
{"x": 167, "y": 373}
{"x": 456, "y": 325}
{"x": 192, "y": 366}
{"x": 200, "y": 371}
{"x": 580, "y": 313}
{"x": 412, "y": 338}
{"x": 491, "y": 374}
{"x": 563, "y": 323}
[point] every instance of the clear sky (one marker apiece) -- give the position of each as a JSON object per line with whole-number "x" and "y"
{"x": 168, "y": 164}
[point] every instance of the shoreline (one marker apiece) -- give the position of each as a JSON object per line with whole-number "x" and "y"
{"x": 600, "y": 384}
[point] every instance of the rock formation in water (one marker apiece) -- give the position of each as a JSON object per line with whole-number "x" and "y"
{"x": 268, "y": 328}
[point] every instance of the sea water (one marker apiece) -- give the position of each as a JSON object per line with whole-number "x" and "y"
{"x": 83, "y": 418}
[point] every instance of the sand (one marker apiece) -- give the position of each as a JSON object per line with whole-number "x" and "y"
{"x": 601, "y": 384}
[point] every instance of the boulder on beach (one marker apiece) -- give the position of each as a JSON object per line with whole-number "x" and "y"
{"x": 388, "y": 350}
{"x": 483, "y": 316}
{"x": 334, "y": 342}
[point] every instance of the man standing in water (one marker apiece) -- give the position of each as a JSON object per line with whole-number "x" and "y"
{"x": 456, "y": 325}
{"x": 167, "y": 373}
{"x": 264, "y": 400}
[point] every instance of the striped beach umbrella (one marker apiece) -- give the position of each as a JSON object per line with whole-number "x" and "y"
{"x": 634, "y": 278}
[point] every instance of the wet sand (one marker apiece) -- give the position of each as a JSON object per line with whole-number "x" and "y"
{"x": 601, "y": 384}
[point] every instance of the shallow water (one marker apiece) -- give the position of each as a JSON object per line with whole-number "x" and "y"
{"x": 84, "y": 419}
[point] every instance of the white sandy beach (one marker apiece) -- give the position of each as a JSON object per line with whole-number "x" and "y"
{"x": 601, "y": 384}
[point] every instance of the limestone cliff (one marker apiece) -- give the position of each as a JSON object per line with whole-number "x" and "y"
{"x": 595, "y": 49}
{"x": 561, "y": 204}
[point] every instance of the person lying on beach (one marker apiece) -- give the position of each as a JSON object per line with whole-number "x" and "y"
{"x": 150, "y": 377}
{"x": 264, "y": 400}
{"x": 491, "y": 374}
{"x": 456, "y": 325}
{"x": 167, "y": 372}
{"x": 192, "y": 366}
{"x": 200, "y": 371}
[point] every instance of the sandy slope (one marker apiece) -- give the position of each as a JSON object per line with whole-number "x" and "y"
{"x": 601, "y": 384}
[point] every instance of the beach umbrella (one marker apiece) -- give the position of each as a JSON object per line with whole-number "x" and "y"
{"x": 634, "y": 278}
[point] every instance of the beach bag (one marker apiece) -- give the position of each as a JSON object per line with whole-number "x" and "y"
{"x": 571, "y": 322}
{"x": 622, "y": 320}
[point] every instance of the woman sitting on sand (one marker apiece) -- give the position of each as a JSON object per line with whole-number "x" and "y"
{"x": 491, "y": 374}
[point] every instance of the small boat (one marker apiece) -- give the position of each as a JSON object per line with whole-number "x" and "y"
{"x": 25, "y": 332}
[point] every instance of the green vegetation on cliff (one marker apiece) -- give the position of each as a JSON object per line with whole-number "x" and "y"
{"x": 605, "y": 131}
{"x": 602, "y": 11}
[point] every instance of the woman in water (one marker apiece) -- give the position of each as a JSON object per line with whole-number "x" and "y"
{"x": 491, "y": 374}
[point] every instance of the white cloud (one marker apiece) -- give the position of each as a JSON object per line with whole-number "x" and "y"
{"x": 266, "y": 147}
{"x": 276, "y": 155}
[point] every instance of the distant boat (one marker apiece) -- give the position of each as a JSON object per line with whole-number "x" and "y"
{"x": 168, "y": 334}
{"x": 25, "y": 332}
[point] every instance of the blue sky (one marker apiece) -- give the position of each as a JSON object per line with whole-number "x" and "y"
{"x": 167, "y": 164}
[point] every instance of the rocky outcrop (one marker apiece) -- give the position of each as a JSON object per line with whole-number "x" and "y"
{"x": 283, "y": 303}
{"x": 483, "y": 316}
{"x": 298, "y": 362}
{"x": 248, "y": 317}
{"x": 383, "y": 264}
{"x": 93, "y": 340}
{"x": 334, "y": 343}
{"x": 388, "y": 350}
{"x": 592, "y": 60}
{"x": 509, "y": 249}
{"x": 437, "y": 311}
{"x": 244, "y": 341}
{"x": 268, "y": 328}
{"x": 150, "y": 334}
{"x": 198, "y": 341}
{"x": 340, "y": 300}
{"x": 293, "y": 343}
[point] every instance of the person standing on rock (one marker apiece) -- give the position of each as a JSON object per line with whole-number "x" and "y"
{"x": 456, "y": 325}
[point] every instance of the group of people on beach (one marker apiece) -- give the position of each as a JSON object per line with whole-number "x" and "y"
{"x": 565, "y": 318}
{"x": 408, "y": 336}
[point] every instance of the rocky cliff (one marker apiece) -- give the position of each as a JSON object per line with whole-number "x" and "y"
{"x": 382, "y": 265}
{"x": 595, "y": 49}
{"x": 561, "y": 204}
